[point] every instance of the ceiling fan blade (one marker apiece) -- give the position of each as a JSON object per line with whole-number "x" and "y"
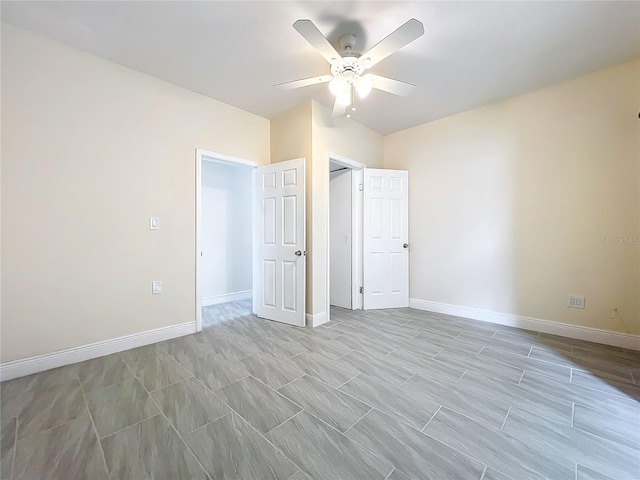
{"x": 339, "y": 109}
{"x": 392, "y": 86}
{"x": 304, "y": 82}
{"x": 311, "y": 34}
{"x": 403, "y": 36}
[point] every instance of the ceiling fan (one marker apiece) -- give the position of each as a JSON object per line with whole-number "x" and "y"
{"x": 348, "y": 68}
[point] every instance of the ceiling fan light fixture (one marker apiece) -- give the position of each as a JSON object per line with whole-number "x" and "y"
{"x": 363, "y": 85}
{"x": 344, "y": 98}
{"x": 338, "y": 86}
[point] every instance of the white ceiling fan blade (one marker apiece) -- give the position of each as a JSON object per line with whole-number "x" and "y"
{"x": 392, "y": 86}
{"x": 404, "y": 35}
{"x": 339, "y": 109}
{"x": 311, "y": 34}
{"x": 304, "y": 82}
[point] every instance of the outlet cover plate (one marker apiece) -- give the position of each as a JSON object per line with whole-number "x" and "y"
{"x": 156, "y": 287}
{"x": 575, "y": 301}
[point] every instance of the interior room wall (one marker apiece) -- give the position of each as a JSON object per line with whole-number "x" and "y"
{"x": 227, "y": 193}
{"x": 516, "y": 204}
{"x": 90, "y": 150}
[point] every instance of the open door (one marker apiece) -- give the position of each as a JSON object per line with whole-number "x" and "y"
{"x": 279, "y": 261}
{"x": 386, "y": 238}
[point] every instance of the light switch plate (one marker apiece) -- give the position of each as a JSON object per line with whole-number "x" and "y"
{"x": 154, "y": 223}
{"x": 156, "y": 287}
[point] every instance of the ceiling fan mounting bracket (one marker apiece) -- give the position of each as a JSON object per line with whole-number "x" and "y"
{"x": 347, "y": 42}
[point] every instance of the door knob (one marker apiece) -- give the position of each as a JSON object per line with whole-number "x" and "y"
{"x": 405, "y": 245}
{"x": 298, "y": 253}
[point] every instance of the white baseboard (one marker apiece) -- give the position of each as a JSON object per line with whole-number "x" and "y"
{"x": 47, "y": 361}
{"x": 317, "y": 319}
{"x": 625, "y": 340}
{"x": 227, "y": 297}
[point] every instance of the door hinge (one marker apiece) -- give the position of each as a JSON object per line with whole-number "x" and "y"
{"x": 361, "y": 187}
{"x": 361, "y": 289}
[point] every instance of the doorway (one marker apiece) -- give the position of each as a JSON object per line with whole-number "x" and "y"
{"x": 224, "y": 284}
{"x": 250, "y": 238}
{"x": 225, "y": 240}
{"x": 345, "y": 233}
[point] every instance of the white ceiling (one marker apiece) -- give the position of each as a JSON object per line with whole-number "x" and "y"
{"x": 472, "y": 53}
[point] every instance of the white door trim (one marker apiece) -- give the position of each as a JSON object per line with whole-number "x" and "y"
{"x": 207, "y": 155}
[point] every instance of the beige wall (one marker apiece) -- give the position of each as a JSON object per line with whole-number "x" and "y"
{"x": 348, "y": 139}
{"x": 291, "y": 138}
{"x": 90, "y": 150}
{"x": 510, "y": 202}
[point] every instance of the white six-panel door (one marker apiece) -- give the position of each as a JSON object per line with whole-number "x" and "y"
{"x": 386, "y": 238}
{"x": 279, "y": 264}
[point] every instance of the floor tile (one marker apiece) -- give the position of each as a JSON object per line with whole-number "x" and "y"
{"x": 333, "y": 372}
{"x": 324, "y": 347}
{"x": 568, "y": 393}
{"x": 585, "y": 364}
{"x": 17, "y": 393}
{"x": 569, "y": 401}
{"x": 525, "y": 363}
{"x": 412, "y": 408}
{"x": 261, "y": 406}
{"x": 397, "y": 475}
{"x": 149, "y": 449}
{"x": 323, "y": 453}
{"x": 118, "y": 406}
{"x": 186, "y": 348}
{"x": 189, "y": 405}
{"x": 501, "y": 344}
{"x": 491, "y": 411}
{"x": 103, "y": 371}
{"x": 68, "y": 451}
{"x": 484, "y": 365}
{"x": 425, "y": 366}
{"x": 585, "y": 473}
{"x": 159, "y": 371}
{"x": 230, "y": 448}
{"x": 520, "y": 460}
{"x": 448, "y": 343}
{"x": 605, "y": 384}
{"x": 280, "y": 349}
{"x": 7, "y": 447}
{"x": 420, "y": 347}
{"x": 614, "y": 358}
{"x": 625, "y": 431}
{"x": 538, "y": 402}
{"x": 327, "y": 403}
{"x": 411, "y": 451}
{"x": 271, "y": 371}
{"x": 140, "y": 353}
{"x": 372, "y": 346}
{"x": 375, "y": 367}
{"x": 562, "y": 442}
{"x": 215, "y": 371}
{"x": 492, "y": 474}
{"x": 51, "y": 408}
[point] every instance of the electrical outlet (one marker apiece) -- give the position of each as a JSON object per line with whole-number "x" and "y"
{"x": 575, "y": 301}
{"x": 156, "y": 287}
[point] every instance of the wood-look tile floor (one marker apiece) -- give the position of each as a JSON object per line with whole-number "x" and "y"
{"x": 391, "y": 395}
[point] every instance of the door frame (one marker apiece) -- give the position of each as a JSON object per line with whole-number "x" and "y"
{"x": 357, "y": 169}
{"x": 215, "y": 157}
